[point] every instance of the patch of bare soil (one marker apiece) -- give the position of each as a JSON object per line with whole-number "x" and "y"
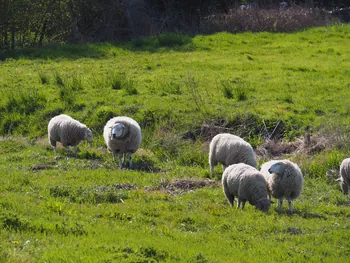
{"x": 181, "y": 186}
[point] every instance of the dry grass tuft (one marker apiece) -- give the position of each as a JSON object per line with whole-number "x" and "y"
{"x": 309, "y": 144}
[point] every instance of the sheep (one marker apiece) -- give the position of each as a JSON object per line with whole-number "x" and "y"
{"x": 344, "y": 179}
{"x": 68, "y": 131}
{"x": 122, "y": 136}
{"x": 248, "y": 184}
{"x": 230, "y": 149}
{"x": 284, "y": 179}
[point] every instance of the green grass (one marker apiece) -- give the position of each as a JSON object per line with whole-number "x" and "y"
{"x": 86, "y": 209}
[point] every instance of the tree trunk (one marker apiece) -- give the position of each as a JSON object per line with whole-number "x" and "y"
{"x": 6, "y": 24}
{"x": 42, "y": 33}
{"x": 13, "y": 37}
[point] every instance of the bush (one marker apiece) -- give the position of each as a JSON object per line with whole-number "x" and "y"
{"x": 259, "y": 20}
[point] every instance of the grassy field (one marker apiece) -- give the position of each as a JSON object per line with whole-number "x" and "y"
{"x": 56, "y": 208}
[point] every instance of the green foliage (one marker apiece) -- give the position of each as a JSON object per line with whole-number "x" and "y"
{"x": 59, "y": 79}
{"x": 94, "y": 195}
{"x": 44, "y": 78}
{"x": 240, "y": 93}
{"x": 227, "y": 89}
{"x": 24, "y": 102}
{"x": 172, "y": 39}
{"x": 130, "y": 89}
{"x": 58, "y": 208}
{"x": 163, "y": 42}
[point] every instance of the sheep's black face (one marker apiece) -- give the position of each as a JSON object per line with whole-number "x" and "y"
{"x": 118, "y": 130}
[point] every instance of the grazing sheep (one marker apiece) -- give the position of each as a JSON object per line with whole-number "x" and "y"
{"x": 284, "y": 179}
{"x": 248, "y": 184}
{"x": 123, "y": 137}
{"x": 344, "y": 179}
{"x": 67, "y": 131}
{"x": 230, "y": 149}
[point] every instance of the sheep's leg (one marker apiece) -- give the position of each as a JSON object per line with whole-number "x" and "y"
{"x": 75, "y": 150}
{"x": 121, "y": 160}
{"x": 68, "y": 150}
{"x": 280, "y": 202}
{"x": 212, "y": 162}
{"x": 243, "y": 204}
{"x": 53, "y": 144}
{"x": 290, "y": 206}
{"x": 130, "y": 159}
{"x": 230, "y": 199}
{"x": 212, "y": 170}
{"x": 239, "y": 203}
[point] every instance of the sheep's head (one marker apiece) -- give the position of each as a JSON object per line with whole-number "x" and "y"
{"x": 263, "y": 204}
{"x": 343, "y": 185}
{"x": 88, "y": 135}
{"x": 118, "y": 130}
{"x": 277, "y": 168}
{"x": 344, "y": 188}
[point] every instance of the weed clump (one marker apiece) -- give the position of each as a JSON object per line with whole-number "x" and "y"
{"x": 94, "y": 195}
{"x": 44, "y": 79}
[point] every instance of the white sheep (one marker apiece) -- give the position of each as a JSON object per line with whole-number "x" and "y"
{"x": 230, "y": 149}
{"x": 68, "y": 131}
{"x": 247, "y": 184}
{"x": 123, "y": 137}
{"x": 284, "y": 179}
{"x": 344, "y": 179}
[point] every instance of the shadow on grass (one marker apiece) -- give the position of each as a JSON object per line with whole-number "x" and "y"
{"x": 162, "y": 43}
{"x": 57, "y": 51}
{"x": 145, "y": 166}
{"x": 303, "y": 214}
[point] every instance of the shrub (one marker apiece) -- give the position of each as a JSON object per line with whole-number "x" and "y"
{"x": 240, "y": 93}
{"x": 171, "y": 87}
{"x": 59, "y": 79}
{"x": 44, "y": 79}
{"x": 9, "y": 122}
{"x": 259, "y": 20}
{"x": 226, "y": 88}
{"x": 25, "y": 102}
{"x": 130, "y": 88}
{"x": 76, "y": 83}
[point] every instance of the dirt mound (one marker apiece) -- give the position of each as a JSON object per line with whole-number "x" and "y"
{"x": 302, "y": 145}
{"x": 211, "y": 128}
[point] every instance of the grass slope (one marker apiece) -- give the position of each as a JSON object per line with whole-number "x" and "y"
{"x": 85, "y": 209}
